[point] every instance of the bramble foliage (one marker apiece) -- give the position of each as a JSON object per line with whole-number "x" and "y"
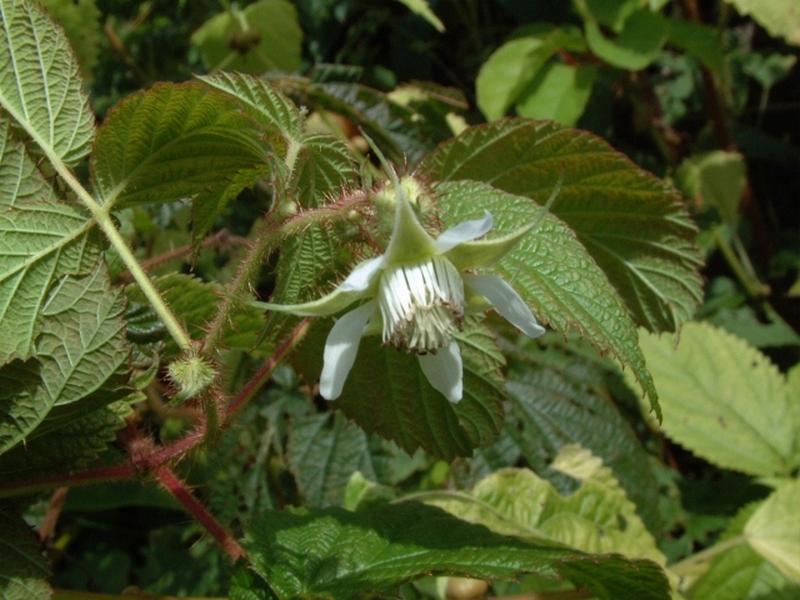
{"x": 646, "y": 447}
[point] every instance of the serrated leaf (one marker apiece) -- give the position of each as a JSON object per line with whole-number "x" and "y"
{"x": 176, "y": 141}
{"x": 20, "y": 178}
{"x": 598, "y": 517}
{"x": 325, "y": 167}
{"x": 266, "y": 103}
{"x": 81, "y": 22}
{"x": 264, "y": 36}
{"x": 554, "y": 407}
{"x": 39, "y": 242}
{"x": 39, "y": 83}
{"x": 637, "y": 44}
{"x": 386, "y": 393}
{"x": 774, "y": 529}
{"x": 335, "y": 553}
{"x": 81, "y": 360}
{"x": 324, "y": 451}
{"x": 68, "y": 448}
{"x": 23, "y": 570}
{"x": 196, "y": 302}
{"x": 634, "y": 225}
{"x": 552, "y": 271}
{"x": 724, "y": 400}
{"x": 778, "y": 17}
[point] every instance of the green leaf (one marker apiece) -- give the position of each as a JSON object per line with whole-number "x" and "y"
{"x": 335, "y": 553}
{"x": 637, "y": 44}
{"x": 324, "y": 452}
{"x": 386, "y": 393}
{"x": 421, "y": 8}
{"x": 39, "y": 242}
{"x": 552, "y": 271}
{"x": 633, "y": 225}
{"x": 700, "y": 40}
{"x": 552, "y": 407}
{"x": 39, "y": 84}
{"x": 325, "y": 167}
{"x": 613, "y": 13}
{"x": 81, "y": 360}
{"x": 264, "y": 36}
{"x": 724, "y": 400}
{"x": 781, "y": 18}
{"x": 81, "y": 22}
{"x": 20, "y": 178}
{"x": 175, "y": 141}
{"x": 559, "y": 92}
{"x": 774, "y": 529}
{"x": 196, "y": 302}
{"x": 23, "y": 570}
{"x": 715, "y": 179}
{"x": 598, "y": 517}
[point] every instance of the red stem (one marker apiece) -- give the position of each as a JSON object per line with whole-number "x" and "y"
{"x": 181, "y": 493}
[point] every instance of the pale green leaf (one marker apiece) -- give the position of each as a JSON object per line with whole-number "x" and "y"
{"x": 559, "y": 92}
{"x": 324, "y": 451}
{"x": 637, "y": 44}
{"x": 552, "y": 271}
{"x": 20, "y": 179}
{"x": 779, "y": 17}
{"x": 39, "y": 84}
{"x": 724, "y": 400}
{"x": 552, "y": 407}
{"x": 81, "y": 22}
{"x": 81, "y": 360}
{"x": 264, "y": 36}
{"x": 176, "y": 141}
{"x": 715, "y": 179}
{"x": 598, "y": 517}
{"x": 23, "y": 569}
{"x": 421, "y": 8}
{"x": 386, "y": 393}
{"x": 633, "y": 225}
{"x": 774, "y": 529}
{"x": 340, "y": 554}
{"x": 39, "y": 242}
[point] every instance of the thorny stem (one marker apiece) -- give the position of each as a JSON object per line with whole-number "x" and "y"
{"x": 184, "y": 496}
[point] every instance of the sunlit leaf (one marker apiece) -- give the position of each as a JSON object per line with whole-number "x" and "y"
{"x": 634, "y": 226}
{"x": 422, "y": 8}
{"x": 559, "y": 92}
{"x": 39, "y": 84}
{"x": 724, "y": 400}
{"x": 774, "y": 529}
{"x": 779, "y": 17}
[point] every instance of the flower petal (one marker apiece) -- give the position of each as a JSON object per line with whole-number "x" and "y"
{"x": 464, "y": 232}
{"x": 506, "y": 301}
{"x": 341, "y": 348}
{"x": 445, "y": 371}
{"x": 362, "y": 275}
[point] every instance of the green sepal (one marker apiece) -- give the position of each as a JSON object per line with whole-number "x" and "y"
{"x": 329, "y": 304}
{"x": 409, "y": 242}
{"x": 484, "y": 253}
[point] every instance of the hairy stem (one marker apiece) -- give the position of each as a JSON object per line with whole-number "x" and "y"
{"x": 182, "y": 494}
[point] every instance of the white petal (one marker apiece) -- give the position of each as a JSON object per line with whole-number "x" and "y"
{"x": 464, "y": 232}
{"x": 361, "y": 277}
{"x": 341, "y": 348}
{"x": 506, "y": 301}
{"x": 445, "y": 371}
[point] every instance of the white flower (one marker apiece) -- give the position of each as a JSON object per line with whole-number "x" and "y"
{"x": 417, "y": 294}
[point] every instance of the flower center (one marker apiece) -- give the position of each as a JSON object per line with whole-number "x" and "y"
{"x": 422, "y": 304}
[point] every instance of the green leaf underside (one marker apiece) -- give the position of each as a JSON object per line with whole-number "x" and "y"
{"x": 23, "y": 570}
{"x": 552, "y": 272}
{"x": 176, "y": 141}
{"x": 39, "y": 83}
{"x": 778, "y": 17}
{"x": 81, "y": 361}
{"x": 634, "y": 225}
{"x": 774, "y": 529}
{"x": 338, "y": 554}
{"x": 386, "y": 393}
{"x": 554, "y": 407}
{"x": 196, "y": 302}
{"x": 68, "y": 448}
{"x": 39, "y": 242}
{"x": 81, "y": 22}
{"x": 324, "y": 451}
{"x": 20, "y": 179}
{"x": 724, "y": 400}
